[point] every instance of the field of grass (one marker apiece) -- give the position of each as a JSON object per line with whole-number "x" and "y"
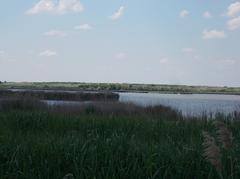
{"x": 123, "y": 87}
{"x": 47, "y": 144}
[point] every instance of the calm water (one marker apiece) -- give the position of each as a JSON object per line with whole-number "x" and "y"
{"x": 189, "y": 104}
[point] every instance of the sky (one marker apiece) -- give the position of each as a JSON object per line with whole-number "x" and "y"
{"x": 121, "y": 41}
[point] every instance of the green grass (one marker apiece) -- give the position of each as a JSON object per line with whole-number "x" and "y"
{"x": 49, "y": 145}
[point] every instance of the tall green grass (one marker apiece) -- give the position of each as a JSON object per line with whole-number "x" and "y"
{"x": 107, "y": 146}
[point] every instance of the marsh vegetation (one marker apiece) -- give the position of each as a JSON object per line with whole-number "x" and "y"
{"x": 114, "y": 140}
{"x": 59, "y": 95}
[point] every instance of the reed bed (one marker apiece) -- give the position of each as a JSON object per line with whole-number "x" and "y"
{"x": 145, "y": 143}
{"x": 93, "y": 107}
{"x": 60, "y": 95}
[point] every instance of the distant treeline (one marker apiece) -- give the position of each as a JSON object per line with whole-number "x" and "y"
{"x": 124, "y": 87}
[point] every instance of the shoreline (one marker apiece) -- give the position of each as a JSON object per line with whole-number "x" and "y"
{"x": 77, "y": 90}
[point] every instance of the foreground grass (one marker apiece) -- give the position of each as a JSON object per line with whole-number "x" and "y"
{"x": 49, "y": 145}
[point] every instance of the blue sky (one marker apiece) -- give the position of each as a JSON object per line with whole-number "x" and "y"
{"x": 148, "y": 41}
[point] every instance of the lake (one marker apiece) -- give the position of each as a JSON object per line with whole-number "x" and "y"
{"x": 189, "y": 104}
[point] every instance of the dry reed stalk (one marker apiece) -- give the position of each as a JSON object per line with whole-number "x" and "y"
{"x": 224, "y": 135}
{"x": 68, "y": 176}
{"x": 212, "y": 151}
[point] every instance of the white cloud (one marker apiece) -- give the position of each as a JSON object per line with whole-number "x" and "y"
{"x": 184, "y": 13}
{"x": 42, "y": 6}
{"x": 188, "y": 50}
{"x": 163, "y": 60}
{"x": 56, "y": 33}
{"x": 2, "y": 53}
{"x": 229, "y": 61}
{"x": 84, "y": 27}
{"x": 233, "y": 9}
{"x": 224, "y": 64}
{"x": 213, "y": 34}
{"x": 69, "y": 5}
{"x": 121, "y": 55}
{"x": 207, "y": 15}
{"x": 118, "y": 14}
{"x": 48, "y": 53}
{"x": 56, "y": 7}
{"x": 234, "y": 23}
{"x": 197, "y": 57}
{"x": 6, "y": 58}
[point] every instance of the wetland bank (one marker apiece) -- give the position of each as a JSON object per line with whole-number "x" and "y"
{"x": 113, "y": 139}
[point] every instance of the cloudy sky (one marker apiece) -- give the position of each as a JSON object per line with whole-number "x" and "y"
{"x": 138, "y": 41}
